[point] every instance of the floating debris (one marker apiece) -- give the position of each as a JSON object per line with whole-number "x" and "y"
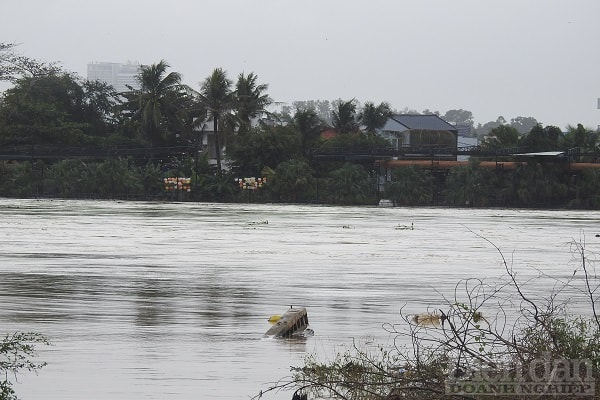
{"x": 428, "y": 319}
{"x": 386, "y": 203}
{"x": 274, "y": 318}
{"x": 265, "y": 222}
{"x": 405, "y": 227}
{"x": 292, "y": 324}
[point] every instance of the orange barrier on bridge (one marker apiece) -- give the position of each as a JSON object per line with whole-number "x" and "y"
{"x": 509, "y": 165}
{"x": 448, "y": 164}
{"x": 580, "y": 166}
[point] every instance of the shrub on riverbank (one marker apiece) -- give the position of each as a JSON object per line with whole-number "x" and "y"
{"x": 298, "y": 181}
{"x": 488, "y": 339}
{"x": 17, "y": 352}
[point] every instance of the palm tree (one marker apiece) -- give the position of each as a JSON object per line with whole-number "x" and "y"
{"x": 158, "y": 98}
{"x": 308, "y": 124}
{"x": 374, "y": 117}
{"x": 344, "y": 119}
{"x": 216, "y": 96}
{"x": 250, "y": 100}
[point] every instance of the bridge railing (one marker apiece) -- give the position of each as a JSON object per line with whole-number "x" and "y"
{"x": 382, "y": 151}
{"x": 23, "y": 152}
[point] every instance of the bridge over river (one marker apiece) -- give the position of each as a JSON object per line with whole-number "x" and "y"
{"x": 442, "y": 157}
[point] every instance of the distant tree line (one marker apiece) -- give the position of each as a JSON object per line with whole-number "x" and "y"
{"x": 163, "y": 123}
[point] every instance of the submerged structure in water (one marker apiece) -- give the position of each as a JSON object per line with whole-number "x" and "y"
{"x": 291, "y": 324}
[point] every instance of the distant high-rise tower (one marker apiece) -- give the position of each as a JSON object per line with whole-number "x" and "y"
{"x": 115, "y": 74}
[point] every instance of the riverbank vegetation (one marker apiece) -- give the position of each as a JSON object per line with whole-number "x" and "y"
{"x": 17, "y": 354}
{"x": 63, "y": 136}
{"x": 297, "y": 180}
{"x": 490, "y": 338}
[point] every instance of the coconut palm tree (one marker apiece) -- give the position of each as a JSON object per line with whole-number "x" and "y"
{"x": 250, "y": 100}
{"x": 374, "y": 117}
{"x": 344, "y": 118}
{"x": 309, "y": 126}
{"x": 158, "y": 99}
{"x": 218, "y": 99}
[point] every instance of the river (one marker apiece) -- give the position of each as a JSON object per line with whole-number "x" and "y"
{"x": 170, "y": 300}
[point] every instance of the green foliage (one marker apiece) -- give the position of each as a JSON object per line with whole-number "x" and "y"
{"x": 564, "y": 337}
{"x": 217, "y": 187}
{"x": 218, "y": 99}
{"x": 67, "y": 178}
{"x": 16, "y": 355}
{"x": 542, "y": 138}
{"x": 14, "y": 66}
{"x": 151, "y": 179}
{"x": 321, "y": 107}
{"x": 410, "y": 186}
{"x": 113, "y": 178}
{"x": 350, "y": 184}
{"x": 250, "y": 100}
{"x": 483, "y": 130}
{"x": 523, "y": 124}
{"x": 502, "y": 136}
{"x": 460, "y": 117}
{"x": 56, "y": 109}
{"x": 374, "y": 117}
{"x": 309, "y": 126}
{"x": 48, "y": 111}
{"x": 487, "y": 332}
{"x": 263, "y": 147}
{"x": 344, "y": 118}
{"x": 291, "y": 181}
{"x": 356, "y": 374}
{"x": 17, "y": 179}
{"x": 116, "y": 176}
{"x": 587, "y": 190}
{"x": 157, "y": 106}
{"x": 474, "y": 186}
{"x": 532, "y": 185}
{"x": 585, "y": 139}
{"x": 537, "y": 185}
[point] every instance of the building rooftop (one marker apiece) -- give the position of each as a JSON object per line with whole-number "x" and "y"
{"x": 403, "y": 122}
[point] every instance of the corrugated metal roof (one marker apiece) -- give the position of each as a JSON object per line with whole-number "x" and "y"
{"x": 426, "y": 122}
{"x": 541, "y": 154}
{"x": 392, "y": 125}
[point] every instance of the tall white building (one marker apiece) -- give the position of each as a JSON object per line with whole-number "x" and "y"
{"x": 115, "y": 74}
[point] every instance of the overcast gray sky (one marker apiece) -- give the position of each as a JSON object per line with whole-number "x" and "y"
{"x": 538, "y": 58}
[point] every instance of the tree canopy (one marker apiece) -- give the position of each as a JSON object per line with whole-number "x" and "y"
{"x": 344, "y": 118}
{"x": 218, "y": 98}
{"x": 158, "y": 103}
{"x": 250, "y": 100}
{"x": 56, "y": 109}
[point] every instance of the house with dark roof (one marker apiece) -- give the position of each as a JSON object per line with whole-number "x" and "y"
{"x": 419, "y": 131}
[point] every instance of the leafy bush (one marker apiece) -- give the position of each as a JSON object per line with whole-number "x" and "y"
{"x": 16, "y": 353}
{"x": 487, "y": 338}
